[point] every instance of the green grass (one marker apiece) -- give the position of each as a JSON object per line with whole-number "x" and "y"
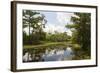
{"x": 51, "y": 44}
{"x": 46, "y": 45}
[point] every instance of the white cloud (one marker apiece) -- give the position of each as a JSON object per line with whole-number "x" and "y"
{"x": 64, "y": 18}
{"x": 52, "y": 28}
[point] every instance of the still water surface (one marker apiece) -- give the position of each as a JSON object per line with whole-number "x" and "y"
{"x": 48, "y": 54}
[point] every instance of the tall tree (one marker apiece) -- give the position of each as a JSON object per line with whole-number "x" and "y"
{"x": 81, "y": 30}
{"x": 33, "y": 19}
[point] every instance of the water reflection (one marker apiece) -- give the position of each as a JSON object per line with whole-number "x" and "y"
{"x": 48, "y": 54}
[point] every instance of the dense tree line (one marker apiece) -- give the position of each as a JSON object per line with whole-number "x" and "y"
{"x": 58, "y": 37}
{"x": 81, "y": 29}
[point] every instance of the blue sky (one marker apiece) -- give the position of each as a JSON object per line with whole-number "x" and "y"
{"x": 56, "y": 21}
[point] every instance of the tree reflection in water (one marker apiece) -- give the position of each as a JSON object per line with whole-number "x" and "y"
{"x": 48, "y": 54}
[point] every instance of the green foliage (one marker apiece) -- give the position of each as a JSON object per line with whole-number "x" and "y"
{"x": 57, "y": 37}
{"x": 81, "y": 30}
{"x": 35, "y": 20}
{"x": 71, "y": 26}
{"x": 25, "y": 38}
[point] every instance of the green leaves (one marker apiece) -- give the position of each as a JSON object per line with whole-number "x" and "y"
{"x": 35, "y": 20}
{"x": 81, "y": 33}
{"x": 58, "y": 37}
{"x": 70, "y": 26}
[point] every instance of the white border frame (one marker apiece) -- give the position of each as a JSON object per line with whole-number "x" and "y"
{"x": 21, "y": 65}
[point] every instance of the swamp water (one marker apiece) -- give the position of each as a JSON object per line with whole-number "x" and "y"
{"x": 48, "y": 54}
